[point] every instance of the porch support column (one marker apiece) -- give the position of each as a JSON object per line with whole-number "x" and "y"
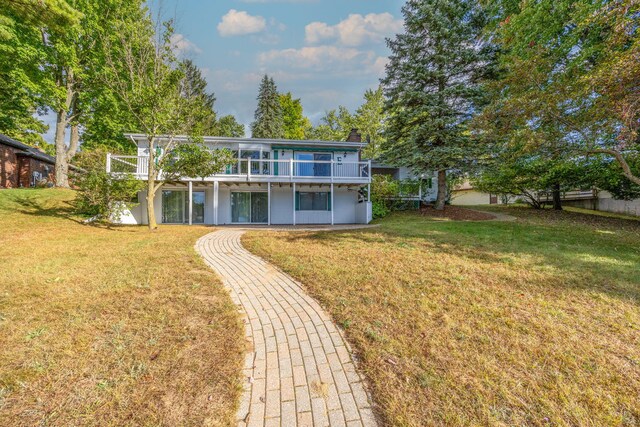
{"x": 269, "y": 203}
{"x": 369, "y": 192}
{"x": 216, "y": 188}
{"x": 332, "y": 205}
{"x": 190, "y": 202}
{"x": 293, "y": 205}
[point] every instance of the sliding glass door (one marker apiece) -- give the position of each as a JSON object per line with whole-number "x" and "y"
{"x": 249, "y": 207}
{"x": 175, "y": 207}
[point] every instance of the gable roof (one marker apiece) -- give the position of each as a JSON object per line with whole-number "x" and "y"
{"x": 27, "y": 150}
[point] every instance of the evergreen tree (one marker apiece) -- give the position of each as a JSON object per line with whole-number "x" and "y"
{"x": 269, "y": 122}
{"x": 194, "y": 87}
{"x": 432, "y": 86}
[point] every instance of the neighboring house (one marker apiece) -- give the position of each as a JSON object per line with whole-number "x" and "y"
{"x": 428, "y": 190}
{"x": 465, "y": 195}
{"x": 22, "y": 165}
{"x": 272, "y": 182}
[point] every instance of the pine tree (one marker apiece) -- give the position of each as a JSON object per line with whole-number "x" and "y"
{"x": 432, "y": 86}
{"x": 194, "y": 87}
{"x": 268, "y": 117}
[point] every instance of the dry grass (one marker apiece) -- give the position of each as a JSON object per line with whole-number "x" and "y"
{"x": 531, "y": 322}
{"x": 109, "y": 326}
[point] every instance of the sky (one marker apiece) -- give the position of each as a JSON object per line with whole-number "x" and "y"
{"x": 325, "y": 52}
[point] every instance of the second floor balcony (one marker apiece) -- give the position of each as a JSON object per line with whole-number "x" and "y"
{"x": 263, "y": 170}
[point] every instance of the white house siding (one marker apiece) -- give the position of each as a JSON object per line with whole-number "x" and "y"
{"x": 346, "y": 207}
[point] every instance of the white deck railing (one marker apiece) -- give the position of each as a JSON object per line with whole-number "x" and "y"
{"x": 248, "y": 169}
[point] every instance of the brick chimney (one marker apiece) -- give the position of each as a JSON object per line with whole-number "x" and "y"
{"x": 354, "y": 136}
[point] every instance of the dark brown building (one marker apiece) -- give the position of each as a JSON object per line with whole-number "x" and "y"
{"x": 22, "y": 165}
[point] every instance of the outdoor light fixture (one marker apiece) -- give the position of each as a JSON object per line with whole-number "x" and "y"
{"x": 345, "y": 154}
{"x": 282, "y": 152}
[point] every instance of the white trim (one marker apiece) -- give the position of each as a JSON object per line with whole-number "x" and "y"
{"x": 216, "y": 188}
{"x": 294, "y": 202}
{"x": 332, "y": 204}
{"x": 268, "y": 203}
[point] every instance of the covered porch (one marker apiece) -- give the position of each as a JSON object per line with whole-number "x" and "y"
{"x": 259, "y": 203}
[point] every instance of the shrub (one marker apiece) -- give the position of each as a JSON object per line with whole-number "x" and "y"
{"x": 101, "y": 195}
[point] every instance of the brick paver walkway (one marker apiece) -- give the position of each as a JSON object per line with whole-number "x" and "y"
{"x": 300, "y": 371}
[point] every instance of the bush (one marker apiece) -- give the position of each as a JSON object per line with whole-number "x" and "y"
{"x": 379, "y": 209}
{"x": 101, "y": 195}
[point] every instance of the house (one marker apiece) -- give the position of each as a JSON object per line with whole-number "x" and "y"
{"x": 22, "y": 165}
{"x": 272, "y": 182}
{"x": 465, "y": 194}
{"x": 427, "y": 190}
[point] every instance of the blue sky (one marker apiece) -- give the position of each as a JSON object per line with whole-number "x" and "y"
{"x": 326, "y": 52}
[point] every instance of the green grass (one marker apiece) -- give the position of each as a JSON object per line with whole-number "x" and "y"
{"x": 530, "y": 322}
{"x": 109, "y": 326}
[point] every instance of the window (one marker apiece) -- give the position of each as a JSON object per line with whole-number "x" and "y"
{"x": 175, "y": 207}
{"x": 313, "y": 201}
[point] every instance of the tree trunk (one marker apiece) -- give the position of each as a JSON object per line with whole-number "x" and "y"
{"x": 151, "y": 190}
{"x": 62, "y": 167}
{"x": 557, "y": 201}
{"x": 442, "y": 190}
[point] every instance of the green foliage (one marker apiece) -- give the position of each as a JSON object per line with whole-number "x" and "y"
{"x": 268, "y": 118}
{"x": 193, "y": 160}
{"x": 433, "y": 86}
{"x": 229, "y": 126}
{"x": 101, "y": 195}
{"x": 370, "y": 121}
{"x": 569, "y": 80}
{"x": 334, "y": 126}
{"x": 296, "y": 125}
{"x": 194, "y": 88}
{"x": 528, "y": 176}
{"x": 387, "y": 194}
{"x": 608, "y": 176}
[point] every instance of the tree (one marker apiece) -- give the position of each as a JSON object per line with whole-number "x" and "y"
{"x": 295, "y": 124}
{"x": 149, "y": 82}
{"x": 21, "y": 82}
{"x": 101, "y": 195}
{"x": 370, "y": 121}
{"x": 571, "y": 67}
{"x": 433, "y": 87}
{"x": 56, "y": 14}
{"x": 229, "y": 126}
{"x": 533, "y": 177}
{"x": 194, "y": 87}
{"x": 268, "y": 118}
{"x": 334, "y": 126}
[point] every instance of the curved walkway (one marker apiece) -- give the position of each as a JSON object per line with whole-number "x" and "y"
{"x": 300, "y": 371}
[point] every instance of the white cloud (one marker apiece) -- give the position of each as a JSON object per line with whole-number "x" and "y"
{"x": 355, "y": 30}
{"x": 182, "y": 45}
{"x": 328, "y": 60}
{"x": 238, "y": 23}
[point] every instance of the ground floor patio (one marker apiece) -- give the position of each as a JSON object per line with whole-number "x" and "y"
{"x": 265, "y": 203}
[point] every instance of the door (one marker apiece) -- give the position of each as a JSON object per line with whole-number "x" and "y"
{"x": 315, "y": 164}
{"x": 249, "y": 207}
{"x": 240, "y": 207}
{"x": 173, "y": 207}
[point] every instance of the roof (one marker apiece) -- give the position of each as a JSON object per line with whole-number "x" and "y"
{"x": 285, "y": 142}
{"x": 27, "y": 150}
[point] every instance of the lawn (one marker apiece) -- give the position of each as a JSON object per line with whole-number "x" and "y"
{"x": 530, "y": 322}
{"x": 109, "y": 326}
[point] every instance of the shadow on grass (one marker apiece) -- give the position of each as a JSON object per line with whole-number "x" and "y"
{"x": 33, "y": 205}
{"x": 586, "y": 252}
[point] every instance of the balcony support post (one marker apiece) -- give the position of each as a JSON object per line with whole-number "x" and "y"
{"x": 369, "y": 192}
{"x": 108, "y": 162}
{"x": 190, "y": 202}
{"x": 216, "y": 188}
{"x": 291, "y": 169}
{"x": 269, "y": 203}
{"x": 293, "y": 205}
{"x": 332, "y": 205}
